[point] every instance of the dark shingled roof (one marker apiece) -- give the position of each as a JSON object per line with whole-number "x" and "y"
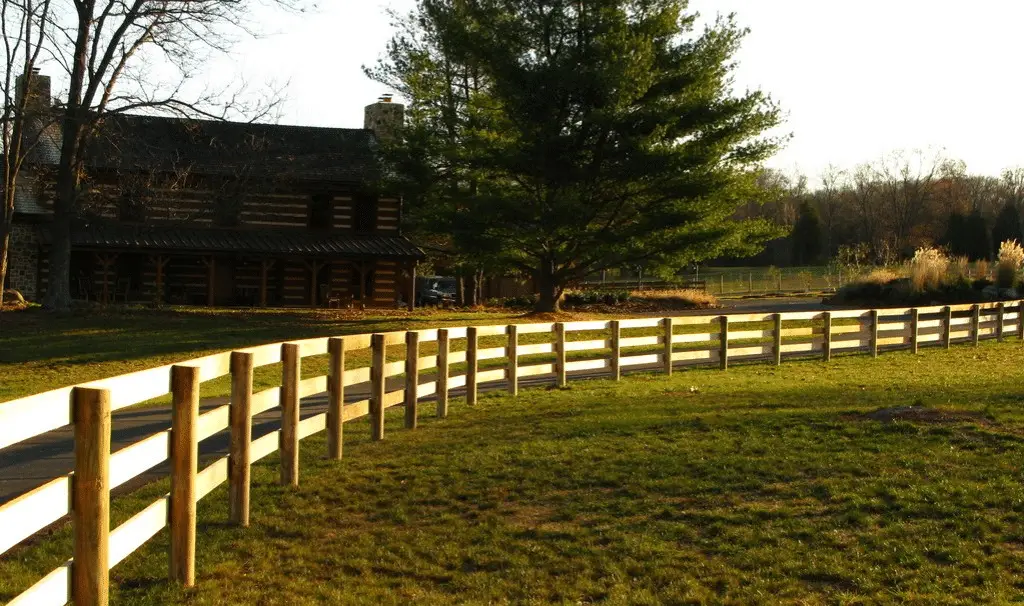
{"x": 246, "y": 241}
{"x": 132, "y": 142}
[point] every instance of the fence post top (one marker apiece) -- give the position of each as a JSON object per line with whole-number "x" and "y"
{"x": 87, "y": 388}
{"x": 242, "y": 356}
{"x": 186, "y": 369}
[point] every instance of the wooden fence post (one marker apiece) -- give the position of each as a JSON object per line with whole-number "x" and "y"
{"x": 750, "y": 282}
{"x": 975, "y": 324}
{"x": 90, "y": 495}
{"x": 1000, "y": 321}
{"x": 1020, "y": 320}
{"x": 669, "y": 331}
{"x": 184, "y": 467}
{"x": 442, "y": 372}
{"x": 915, "y": 323}
{"x": 722, "y": 287}
{"x": 378, "y": 349}
{"x": 412, "y": 378}
{"x": 240, "y": 421}
{"x": 560, "y": 375}
{"x": 472, "y": 364}
{"x": 335, "y": 398}
{"x": 873, "y": 336}
{"x": 777, "y": 336}
{"x": 290, "y": 373}
{"x": 826, "y": 334}
{"x": 513, "y": 360}
{"x": 616, "y": 343}
{"x": 723, "y": 342}
{"x": 947, "y": 326}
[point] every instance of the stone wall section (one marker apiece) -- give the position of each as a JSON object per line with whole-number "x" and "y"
{"x": 23, "y": 261}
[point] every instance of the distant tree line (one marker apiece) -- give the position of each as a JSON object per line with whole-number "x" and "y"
{"x": 890, "y": 207}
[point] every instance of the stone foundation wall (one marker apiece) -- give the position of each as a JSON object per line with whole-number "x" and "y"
{"x": 23, "y": 261}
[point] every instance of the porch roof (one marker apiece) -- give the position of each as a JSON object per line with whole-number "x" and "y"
{"x": 120, "y": 236}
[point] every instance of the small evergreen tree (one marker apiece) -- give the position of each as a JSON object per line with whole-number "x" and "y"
{"x": 956, "y": 234}
{"x": 1007, "y": 227}
{"x": 976, "y": 237}
{"x": 806, "y": 236}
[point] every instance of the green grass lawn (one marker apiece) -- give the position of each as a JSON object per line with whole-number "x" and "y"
{"x": 755, "y": 485}
{"x": 41, "y": 351}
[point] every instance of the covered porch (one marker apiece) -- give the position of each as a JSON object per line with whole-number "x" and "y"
{"x": 240, "y": 281}
{"x": 208, "y": 267}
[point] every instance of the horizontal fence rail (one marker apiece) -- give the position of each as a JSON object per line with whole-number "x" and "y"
{"x": 466, "y": 358}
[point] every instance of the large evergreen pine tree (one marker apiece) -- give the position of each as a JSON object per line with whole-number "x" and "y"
{"x": 561, "y": 137}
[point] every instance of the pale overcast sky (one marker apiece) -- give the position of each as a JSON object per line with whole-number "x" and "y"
{"x": 857, "y": 78}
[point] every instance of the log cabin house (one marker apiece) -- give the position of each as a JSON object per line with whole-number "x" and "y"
{"x": 217, "y": 213}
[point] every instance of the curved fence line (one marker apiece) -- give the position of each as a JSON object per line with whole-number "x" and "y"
{"x": 514, "y": 352}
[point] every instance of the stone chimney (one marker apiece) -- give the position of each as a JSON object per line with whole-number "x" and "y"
{"x": 37, "y": 89}
{"x": 385, "y": 118}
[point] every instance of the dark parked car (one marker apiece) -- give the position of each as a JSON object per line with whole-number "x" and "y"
{"x": 435, "y": 290}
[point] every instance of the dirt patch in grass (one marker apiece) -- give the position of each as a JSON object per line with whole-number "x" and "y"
{"x": 920, "y": 414}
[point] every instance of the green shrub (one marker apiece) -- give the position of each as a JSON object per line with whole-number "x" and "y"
{"x": 578, "y": 298}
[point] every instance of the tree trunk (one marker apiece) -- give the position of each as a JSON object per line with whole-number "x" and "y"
{"x": 58, "y": 284}
{"x": 460, "y": 291}
{"x": 548, "y": 289}
{"x": 69, "y": 168}
{"x": 5, "y": 243}
{"x": 472, "y": 289}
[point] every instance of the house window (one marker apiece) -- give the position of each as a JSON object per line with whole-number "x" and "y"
{"x": 131, "y": 208}
{"x": 365, "y": 220}
{"x": 227, "y": 210}
{"x": 320, "y": 212}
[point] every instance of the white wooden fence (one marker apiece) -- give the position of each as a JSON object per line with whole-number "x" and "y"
{"x": 595, "y": 348}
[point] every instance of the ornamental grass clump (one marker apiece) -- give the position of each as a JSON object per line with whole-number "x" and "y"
{"x": 927, "y": 269}
{"x": 1011, "y": 258}
{"x": 880, "y": 276}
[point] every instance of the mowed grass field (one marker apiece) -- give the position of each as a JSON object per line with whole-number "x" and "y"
{"x": 755, "y": 485}
{"x": 41, "y": 351}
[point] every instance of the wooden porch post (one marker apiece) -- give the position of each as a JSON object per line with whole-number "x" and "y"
{"x": 362, "y": 284}
{"x": 160, "y": 262}
{"x": 211, "y": 274}
{"x": 314, "y": 270}
{"x": 106, "y": 279}
{"x": 106, "y": 260}
{"x": 265, "y": 265}
{"x": 411, "y": 286}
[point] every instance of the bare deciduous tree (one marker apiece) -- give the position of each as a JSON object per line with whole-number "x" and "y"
{"x": 134, "y": 55}
{"x": 22, "y": 23}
